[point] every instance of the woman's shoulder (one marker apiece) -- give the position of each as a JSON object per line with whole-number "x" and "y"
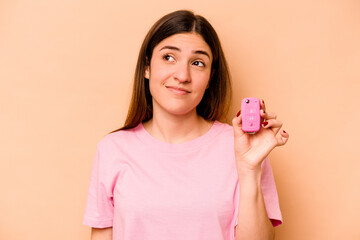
{"x": 119, "y": 138}
{"x": 222, "y": 131}
{"x": 223, "y": 127}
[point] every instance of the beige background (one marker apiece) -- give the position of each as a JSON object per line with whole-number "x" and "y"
{"x": 66, "y": 72}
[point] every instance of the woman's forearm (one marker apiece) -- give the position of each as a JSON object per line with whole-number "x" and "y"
{"x": 253, "y": 221}
{"x": 101, "y": 233}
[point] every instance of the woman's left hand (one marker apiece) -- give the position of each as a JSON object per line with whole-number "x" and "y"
{"x": 252, "y": 149}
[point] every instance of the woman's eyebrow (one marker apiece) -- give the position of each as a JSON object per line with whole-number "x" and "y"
{"x": 178, "y": 49}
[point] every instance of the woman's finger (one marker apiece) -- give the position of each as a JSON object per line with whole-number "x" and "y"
{"x": 262, "y": 105}
{"x": 267, "y": 115}
{"x": 273, "y": 124}
{"x": 236, "y": 122}
{"x": 283, "y": 138}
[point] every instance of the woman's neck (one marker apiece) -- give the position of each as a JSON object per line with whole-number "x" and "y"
{"x": 176, "y": 129}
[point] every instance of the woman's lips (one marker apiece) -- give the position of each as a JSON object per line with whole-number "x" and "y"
{"x": 177, "y": 90}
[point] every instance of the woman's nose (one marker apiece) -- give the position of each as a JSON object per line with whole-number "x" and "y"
{"x": 182, "y": 73}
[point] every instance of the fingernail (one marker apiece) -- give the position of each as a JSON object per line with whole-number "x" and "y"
{"x": 265, "y": 123}
{"x": 238, "y": 114}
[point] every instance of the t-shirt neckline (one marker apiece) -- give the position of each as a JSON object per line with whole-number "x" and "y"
{"x": 190, "y": 145}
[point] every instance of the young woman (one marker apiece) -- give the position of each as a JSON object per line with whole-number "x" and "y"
{"x": 174, "y": 170}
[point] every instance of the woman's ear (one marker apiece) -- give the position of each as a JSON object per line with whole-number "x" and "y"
{"x": 208, "y": 85}
{"x": 147, "y": 72}
{"x": 147, "y": 69}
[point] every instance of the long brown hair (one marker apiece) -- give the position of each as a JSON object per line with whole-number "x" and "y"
{"x": 217, "y": 97}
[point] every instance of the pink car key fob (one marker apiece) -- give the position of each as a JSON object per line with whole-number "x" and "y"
{"x": 250, "y": 115}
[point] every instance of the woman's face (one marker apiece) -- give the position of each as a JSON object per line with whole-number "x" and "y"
{"x": 179, "y": 73}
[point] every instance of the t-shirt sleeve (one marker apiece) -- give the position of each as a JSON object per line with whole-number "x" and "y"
{"x": 270, "y": 195}
{"x": 99, "y": 208}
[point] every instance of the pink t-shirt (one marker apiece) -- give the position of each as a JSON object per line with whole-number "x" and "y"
{"x": 147, "y": 189}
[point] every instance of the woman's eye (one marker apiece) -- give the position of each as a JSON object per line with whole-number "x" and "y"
{"x": 168, "y": 58}
{"x": 199, "y": 63}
